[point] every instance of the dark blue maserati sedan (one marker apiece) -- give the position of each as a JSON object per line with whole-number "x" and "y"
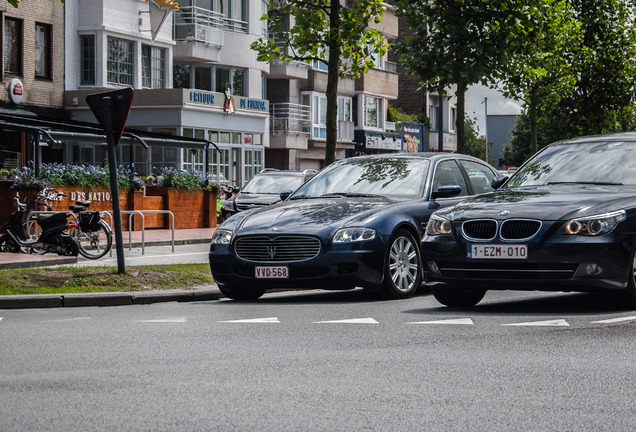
{"x": 565, "y": 221}
{"x": 357, "y": 223}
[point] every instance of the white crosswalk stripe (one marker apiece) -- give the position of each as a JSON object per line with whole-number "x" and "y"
{"x": 615, "y": 320}
{"x": 458, "y": 321}
{"x": 549, "y": 323}
{"x": 256, "y": 320}
{"x": 350, "y": 321}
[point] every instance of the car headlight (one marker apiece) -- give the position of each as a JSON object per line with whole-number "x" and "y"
{"x": 438, "y": 226}
{"x": 228, "y": 205}
{"x": 593, "y": 225}
{"x": 348, "y": 235}
{"x": 221, "y": 236}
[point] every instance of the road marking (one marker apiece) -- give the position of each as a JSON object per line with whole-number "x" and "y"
{"x": 70, "y": 319}
{"x": 166, "y": 320}
{"x": 458, "y": 321}
{"x": 615, "y": 320}
{"x": 256, "y": 320}
{"x": 350, "y": 321}
{"x": 0, "y": 318}
{"x": 549, "y": 323}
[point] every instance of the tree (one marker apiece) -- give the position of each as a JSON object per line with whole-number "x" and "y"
{"x": 475, "y": 145}
{"x": 456, "y": 42}
{"x": 604, "y": 96}
{"x": 327, "y": 31}
{"x": 541, "y": 64}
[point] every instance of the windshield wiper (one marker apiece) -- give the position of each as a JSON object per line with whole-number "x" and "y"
{"x": 349, "y": 195}
{"x": 299, "y": 197}
{"x": 587, "y": 183}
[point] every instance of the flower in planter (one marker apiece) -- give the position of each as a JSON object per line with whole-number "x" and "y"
{"x": 137, "y": 183}
{"x": 25, "y": 179}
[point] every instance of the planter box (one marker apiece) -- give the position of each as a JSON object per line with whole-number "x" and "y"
{"x": 191, "y": 209}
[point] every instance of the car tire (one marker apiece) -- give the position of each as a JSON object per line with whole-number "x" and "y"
{"x": 240, "y": 293}
{"x": 455, "y": 296}
{"x": 402, "y": 266}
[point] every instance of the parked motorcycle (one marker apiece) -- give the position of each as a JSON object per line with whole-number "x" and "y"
{"x": 53, "y": 237}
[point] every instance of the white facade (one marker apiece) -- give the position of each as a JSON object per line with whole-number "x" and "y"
{"x": 205, "y": 42}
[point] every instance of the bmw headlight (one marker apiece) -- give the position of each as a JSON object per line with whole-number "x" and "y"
{"x": 222, "y": 237}
{"x": 593, "y": 225}
{"x": 348, "y": 235}
{"x": 438, "y": 226}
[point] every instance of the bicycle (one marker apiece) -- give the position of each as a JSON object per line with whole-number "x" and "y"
{"x": 93, "y": 235}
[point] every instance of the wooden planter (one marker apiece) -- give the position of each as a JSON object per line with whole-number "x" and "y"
{"x": 191, "y": 209}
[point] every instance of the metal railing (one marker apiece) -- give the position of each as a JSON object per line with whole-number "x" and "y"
{"x": 132, "y": 213}
{"x": 203, "y": 25}
{"x": 290, "y": 118}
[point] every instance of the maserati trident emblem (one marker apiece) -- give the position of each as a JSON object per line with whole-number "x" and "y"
{"x": 504, "y": 213}
{"x": 271, "y": 251}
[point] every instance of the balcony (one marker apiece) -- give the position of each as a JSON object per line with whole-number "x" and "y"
{"x": 290, "y": 118}
{"x": 193, "y": 24}
{"x": 345, "y": 131}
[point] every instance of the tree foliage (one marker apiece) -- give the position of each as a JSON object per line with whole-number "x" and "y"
{"x": 327, "y": 31}
{"x": 456, "y": 42}
{"x": 476, "y": 145}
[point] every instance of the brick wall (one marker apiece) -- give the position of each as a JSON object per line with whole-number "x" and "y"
{"x": 37, "y": 91}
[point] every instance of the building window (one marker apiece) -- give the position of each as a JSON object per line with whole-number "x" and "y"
{"x": 13, "y": 46}
{"x": 372, "y": 111}
{"x": 120, "y": 61}
{"x": 153, "y": 61}
{"x": 87, "y": 44}
{"x": 432, "y": 115}
{"x": 344, "y": 109}
{"x": 319, "y": 65}
{"x": 211, "y": 78}
{"x": 43, "y": 50}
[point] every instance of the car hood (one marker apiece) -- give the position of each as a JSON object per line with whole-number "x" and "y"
{"x": 554, "y": 202}
{"x": 257, "y": 199}
{"x": 309, "y": 216}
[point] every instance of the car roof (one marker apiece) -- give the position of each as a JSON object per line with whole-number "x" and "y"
{"x": 621, "y": 136}
{"x": 415, "y": 155}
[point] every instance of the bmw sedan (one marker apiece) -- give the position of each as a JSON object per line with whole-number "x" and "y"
{"x": 357, "y": 223}
{"x": 565, "y": 221}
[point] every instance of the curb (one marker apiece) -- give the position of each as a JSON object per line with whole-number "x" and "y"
{"x": 107, "y": 299}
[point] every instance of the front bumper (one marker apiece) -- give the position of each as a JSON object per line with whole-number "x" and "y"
{"x": 339, "y": 269}
{"x": 562, "y": 263}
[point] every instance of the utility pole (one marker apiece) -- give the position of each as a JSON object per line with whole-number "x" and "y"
{"x": 485, "y": 102}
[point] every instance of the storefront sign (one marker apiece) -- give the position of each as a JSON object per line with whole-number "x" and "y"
{"x": 202, "y": 97}
{"x": 390, "y": 143}
{"x": 90, "y": 196}
{"x": 253, "y": 104}
{"x": 413, "y": 135}
{"x": 15, "y": 90}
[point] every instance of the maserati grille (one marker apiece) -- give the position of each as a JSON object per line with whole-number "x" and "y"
{"x": 277, "y": 249}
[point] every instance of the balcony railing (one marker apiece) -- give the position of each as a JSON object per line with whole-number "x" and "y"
{"x": 193, "y": 23}
{"x": 290, "y": 118}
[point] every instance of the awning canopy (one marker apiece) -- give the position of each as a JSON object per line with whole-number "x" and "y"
{"x": 53, "y": 130}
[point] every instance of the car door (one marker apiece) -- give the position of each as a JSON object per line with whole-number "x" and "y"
{"x": 479, "y": 176}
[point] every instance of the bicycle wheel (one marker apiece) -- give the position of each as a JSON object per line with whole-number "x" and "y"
{"x": 94, "y": 244}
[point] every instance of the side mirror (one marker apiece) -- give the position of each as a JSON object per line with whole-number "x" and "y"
{"x": 498, "y": 181}
{"x": 446, "y": 192}
{"x": 285, "y": 194}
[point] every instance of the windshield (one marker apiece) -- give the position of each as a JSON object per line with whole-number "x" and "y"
{"x": 272, "y": 184}
{"x": 599, "y": 162}
{"x": 393, "y": 178}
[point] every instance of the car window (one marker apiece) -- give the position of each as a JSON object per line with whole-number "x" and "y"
{"x": 447, "y": 173}
{"x": 399, "y": 178}
{"x": 480, "y": 176}
{"x": 598, "y": 162}
{"x": 272, "y": 184}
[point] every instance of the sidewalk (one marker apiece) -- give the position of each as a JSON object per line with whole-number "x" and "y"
{"x": 151, "y": 238}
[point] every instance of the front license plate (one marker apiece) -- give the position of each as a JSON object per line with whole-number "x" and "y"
{"x": 498, "y": 251}
{"x": 271, "y": 272}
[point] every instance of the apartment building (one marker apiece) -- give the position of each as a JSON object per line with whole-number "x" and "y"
{"x": 298, "y": 103}
{"x": 32, "y": 74}
{"x": 198, "y": 78}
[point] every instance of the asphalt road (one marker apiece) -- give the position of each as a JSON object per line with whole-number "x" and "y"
{"x": 322, "y": 361}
